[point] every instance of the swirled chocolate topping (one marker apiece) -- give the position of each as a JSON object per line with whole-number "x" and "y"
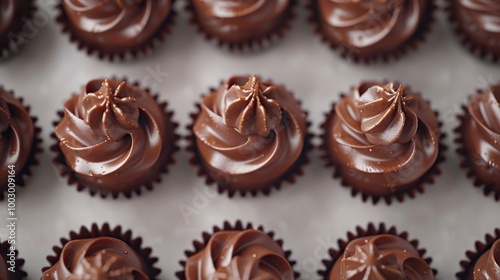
{"x": 17, "y": 133}
{"x": 244, "y": 255}
{"x": 480, "y": 20}
{"x": 381, "y": 257}
{"x": 382, "y": 138}
{"x": 114, "y": 135}
{"x": 104, "y": 258}
{"x": 371, "y": 27}
{"x": 237, "y": 21}
{"x": 116, "y": 25}
{"x": 488, "y": 265}
{"x": 11, "y": 13}
{"x": 249, "y": 132}
{"x": 482, "y": 135}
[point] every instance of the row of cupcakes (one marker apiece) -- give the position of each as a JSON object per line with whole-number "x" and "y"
{"x": 250, "y": 135}
{"x": 242, "y": 251}
{"x": 360, "y": 30}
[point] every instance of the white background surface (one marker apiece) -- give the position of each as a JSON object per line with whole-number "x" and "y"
{"x": 447, "y": 219}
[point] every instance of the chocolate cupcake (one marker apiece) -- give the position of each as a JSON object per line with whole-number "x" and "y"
{"x": 13, "y": 17}
{"x": 378, "y": 254}
{"x": 383, "y": 140}
{"x": 249, "y": 136}
{"x": 11, "y": 266}
{"x": 484, "y": 263}
{"x": 477, "y": 24}
{"x": 367, "y": 30}
{"x": 116, "y": 28}
{"x": 114, "y": 137}
{"x": 101, "y": 253}
{"x": 237, "y": 252}
{"x": 242, "y": 25}
{"x": 479, "y": 139}
{"x": 19, "y": 142}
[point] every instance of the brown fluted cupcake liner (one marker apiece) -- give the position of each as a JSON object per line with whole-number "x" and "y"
{"x": 238, "y": 225}
{"x": 117, "y": 232}
{"x": 36, "y": 148}
{"x": 14, "y": 40}
{"x": 247, "y": 46}
{"x": 71, "y": 177}
{"x": 473, "y": 256}
{"x": 290, "y": 176}
{"x": 142, "y": 50}
{"x": 412, "y": 191}
{"x": 412, "y": 43}
{"x": 372, "y": 229}
{"x": 469, "y": 44}
{"x": 466, "y": 163}
{"x": 19, "y": 273}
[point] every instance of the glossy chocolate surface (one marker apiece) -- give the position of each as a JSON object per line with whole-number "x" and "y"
{"x": 11, "y": 13}
{"x": 382, "y": 138}
{"x": 116, "y": 25}
{"x": 243, "y": 255}
{"x": 381, "y": 257}
{"x": 17, "y": 133}
{"x": 238, "y": 21}
{"x": 482, "y": 135}
{"x": 488, "y": 265}
{"x": 480, "y": 21}
{"x": 371, "y": 27}
{"x": 249, "y": 133}
{"x": 114, "y": 135}
{"x": 97, "y": 258}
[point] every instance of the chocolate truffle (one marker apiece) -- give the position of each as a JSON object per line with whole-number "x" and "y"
{"x": 97, "y": 258}
{"x": 114, "y": 138}
{"x": 13, "y": 16}
{"x": 480, "y": 139}
{"x": 250, "y": 135}
{"x": 116, "y": 27}
{"x": 241, "y": 22}
{"x": 487, "y": 266}
{"x": 381, "y": 257}
{"x": 383, "y": 139}
{"x": 18, "y": 140}
{"x": 477, "y": 22}
{"x": 364, "y": 30}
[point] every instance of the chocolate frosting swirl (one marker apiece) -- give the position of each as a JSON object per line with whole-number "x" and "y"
{"x": 97, "y": 258}
{"x": 383, "y": 138}
{"x": 480, "y": 19}
{"x": 369, "y": 27}
{"x": 249, "y": 132}
{"x": 116, "y": 25}
{"x": 113, "y": 135}
{"x": 7, "y": 15}
{"x": 488, "y": 265}
{"x": 238, "y": 21}
{"x": 482, "y": 134}
{"x": 243, "y": 255}
{"x": 17, "y": 133}
{"x": 381, "y": 257}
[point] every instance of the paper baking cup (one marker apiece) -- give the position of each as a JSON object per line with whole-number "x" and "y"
{"x": 19, "y": 273}
{"x": 167, "y": 159}
{"x": 247, "y": 46}
{"x": 336, "y": 253}
{"x": 239, "y": 226}
{"x": 106, "y": 231}
{"x": 139, "y": 51}
{"x": 412, "y": 43}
